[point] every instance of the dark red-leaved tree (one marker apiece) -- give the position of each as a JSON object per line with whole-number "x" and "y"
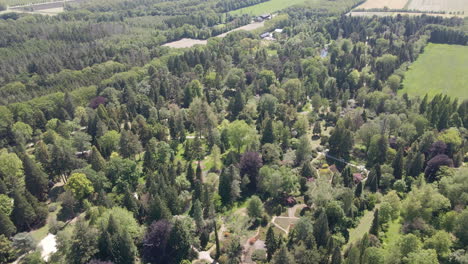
{"x": 249, "y": 165}
{"x": 434, "y": 164}
{"x": 155, "y": 242}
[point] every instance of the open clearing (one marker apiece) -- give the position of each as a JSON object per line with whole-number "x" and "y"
{"x": 441, "y": 68}
{"x": 188, "y": 42}
{"x": 439, "y": 5}
{"x": 266, "y": 7}
{"x": 392, "y": 4}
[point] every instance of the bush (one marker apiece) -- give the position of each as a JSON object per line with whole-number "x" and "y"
{"x": 3, "y": 6}
{"x": 259, "y": 255}
{"x": 52, "y": 208}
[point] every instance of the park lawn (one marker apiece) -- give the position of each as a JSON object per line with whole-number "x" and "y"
{"x": 393, "y": 234}
{"x": 364, "y": 225}
{"x": 441, "y": 68}
{"x": 42, "y": 232}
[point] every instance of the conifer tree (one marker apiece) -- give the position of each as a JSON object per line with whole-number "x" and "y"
{"x": 307, "y": 171}
{"x": 358, "y": 191}
{"x": 268, "y": 136}
{"x": 98, "y": 163}
{"x": 158, "y": 210}
{"x": 23, "y": 214}
{"x": 398, "y": 164}
{"x": 83, "y": 244}
{"x": 375, "y": 227}
{"x": 317, "y": 129}
{"x": 218, "y": 247}
{"x": 336, "y": 257}
{"x": 7, "y": 227}
{"x": 35, "y": 178}
{"x": 270, "y": 242}
{"x": 321, "y": 230}
{"x": 282, "y": 256}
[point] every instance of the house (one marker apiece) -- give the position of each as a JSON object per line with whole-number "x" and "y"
{"x": 266, "y": 35}
{"x": 263, "y": 17}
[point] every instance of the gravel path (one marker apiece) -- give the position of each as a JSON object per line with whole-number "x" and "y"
{"x": 48, "y": 246}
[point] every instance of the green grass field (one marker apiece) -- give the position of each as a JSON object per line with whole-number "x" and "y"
{"x": 266, "y": 7}
{"x": 440, "y": 69}
{"x": 273, "y": 6}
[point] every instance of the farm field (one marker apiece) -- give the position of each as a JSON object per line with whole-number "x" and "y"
{"x": 441, "y": 68}
{"x": 391, "y": 4}
{"x": 439, "y": 5}
{"x": 267, "y": 7}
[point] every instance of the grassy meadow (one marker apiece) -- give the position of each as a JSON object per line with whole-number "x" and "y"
{"x": 273, "y": 6}
{"x": 441, "y": 68}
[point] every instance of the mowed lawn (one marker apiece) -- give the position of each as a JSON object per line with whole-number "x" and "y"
{"x": 441, "y": 68}
{"x": 270, "y": 6}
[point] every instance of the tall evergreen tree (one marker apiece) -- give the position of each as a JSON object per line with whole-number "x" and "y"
{"x": 270, "y": 243}
{"x": 268, "y": 136}
{"x": 282, "y": 256}
{"x": 23, "y": 214}
{"x": 358, "y": 190}
{"x": 321, "y": 230}
{"x": 35, "y": 179}
{"x": 179, "y": 243}
{"x": 7, "y": 227}
{"x": 237, "y": 104}
{"x": 158, "y": 210}
{"x": 98, "y": 163}
{"x": 375, "y": 227}
{"x": 83, "y": 244}
{"x": 336, "y": 257}
{"x": 398, "y": 164}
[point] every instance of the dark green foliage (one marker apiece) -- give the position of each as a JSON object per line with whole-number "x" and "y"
{"x": 321, "y": 230}
{"x": 23, "y": 214}
{"x": 83, "y": 244}
{"x": 178, "y": 245}
{"x": 7, "y": 228}
{"x": 35, "y": 178}
{"x": 375, "y": 227}
{"x": 398, "y": 165}
{"x": 336, "y": 257}
{"x": 271, "y": 243}
{"x": 268, "y": 135}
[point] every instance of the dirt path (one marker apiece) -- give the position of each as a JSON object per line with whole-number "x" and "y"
{"x": 48, "y": 246}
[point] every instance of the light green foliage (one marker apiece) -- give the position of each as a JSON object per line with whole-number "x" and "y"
{"x": 276, "y": 181}
{"x": 425, "y": 256}
{"x": 240, "y": 134}
{"x": 6, "y": 204}
{"x": 11, "y": 171}
{"x": 22, "y": 132}
{"x": 441, "y": 242}
{"x": 423, "y": 202}
{"x": 461, "y": 227}
{"x": 255, "y": 207}
{"x": 6, "y": 119}
{"x": 79, "y": 185}
{"x": 374, "y": 255}
{"x": 409, "y": 243}
{"x": 109, "y": 142}
{"x": 455, "y": 186}
{"x": 447, "y": 76}
{"x": 123, "y": 217}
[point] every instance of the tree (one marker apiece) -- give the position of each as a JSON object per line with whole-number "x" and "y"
{"x": 461, "y": 227}
{"x": 308, "y": 171}
{"x": 294, "y": 91}
{"x": 340, "y": 141}
{"x": 282, "y": 256}
{"x": 23, "y": 214}
{"x": 129, "y": 144}
{"x": 398, "y": 164}
{"x": 377, "y": 152}
{"x": 83, "y": 243}
{"x": 158, "y": 210}
{"x": 179, "y": 243}
{"x": 336, "y": 257}
{"x": 123, "y": 173}
{"x": 11, "y": 171}
{"x": 36, "y": 180}
{"x": 249, "y": 165}
{"x": 375, "y": 227}
{"x": 155, "y": 242}
{"x": 317, "y": 128}
{"x": 22, "y": 132}
{"x": 255, "y": 208}
{"x": 109, "y": 142}
{"x": 268, "y": 135}
{"x": 7, "y": 252}
{"x": 81, "y": 141}
{"x": 321, "y": 230}
{"x": 441, "y": 242}
{"x": 270, "y": 243}
{"x": 97, "y": 162}
{"x": 218, "y": 247}
{"x": 202, "y": 117}
{"x": 373, "y": 255}
{"x": 237, "y": 104}
{"x": 304, "y": 150}
{"x": 240, "y": 134}
{"x": 424, "y": 256}
{"x": 7, "y": 228}
{"x": 79, "y": 185}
